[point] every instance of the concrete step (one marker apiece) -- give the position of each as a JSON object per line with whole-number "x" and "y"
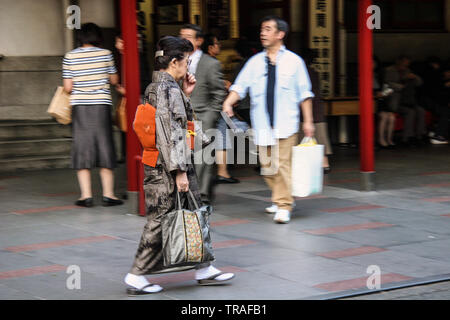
{"x": 34, "y": 163}
{"x": 14, "y": 130}
{"x": 36, "y": 112}
{"x": 36, "y": 147}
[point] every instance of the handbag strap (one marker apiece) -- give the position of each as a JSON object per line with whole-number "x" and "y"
{"x": 192, "y": 198}
{"x": 178, "y": 207}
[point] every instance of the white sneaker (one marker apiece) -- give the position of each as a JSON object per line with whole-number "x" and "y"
{"x": 438, "y": 140}
{"x": 282, "y": 216}
{"x": 272, "y": 209}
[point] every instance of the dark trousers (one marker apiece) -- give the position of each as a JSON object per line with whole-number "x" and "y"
{"x": 414, "y": 121}
{"x": 205, "y": 172}
{"x": 443, "y": 113}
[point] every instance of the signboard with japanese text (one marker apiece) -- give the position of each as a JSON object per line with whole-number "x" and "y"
{"x": 321, "y": 41}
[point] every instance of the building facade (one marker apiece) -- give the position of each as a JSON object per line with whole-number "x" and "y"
{"x": 34, "y": 37}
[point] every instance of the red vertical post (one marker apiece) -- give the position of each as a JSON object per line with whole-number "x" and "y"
{"x": 366, "y": 123}
{"x": 133, "y": 91}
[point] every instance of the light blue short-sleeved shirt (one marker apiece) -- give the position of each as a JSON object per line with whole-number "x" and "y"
{"x": 292, "y": 86}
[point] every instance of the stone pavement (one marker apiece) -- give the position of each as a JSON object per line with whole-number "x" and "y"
{"x": 403, "y": 229}
{"x": 435, "y": 291}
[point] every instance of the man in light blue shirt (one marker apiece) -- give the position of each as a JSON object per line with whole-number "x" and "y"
{"x": 278, "y": 82}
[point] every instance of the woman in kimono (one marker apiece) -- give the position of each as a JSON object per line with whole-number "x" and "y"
{"x": 173, "y": 169}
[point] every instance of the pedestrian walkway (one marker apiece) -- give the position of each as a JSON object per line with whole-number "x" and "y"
{"x": 402, "y": 228}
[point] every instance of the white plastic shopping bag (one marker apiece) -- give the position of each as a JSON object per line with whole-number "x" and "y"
{"x": 307, "y": 171}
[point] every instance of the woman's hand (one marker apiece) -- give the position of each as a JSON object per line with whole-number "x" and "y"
{"x": 182, "y": 181}
{"x": 189, "y": 82}
{"x": 68, "y": 84}
{"x": 120, "y": 89}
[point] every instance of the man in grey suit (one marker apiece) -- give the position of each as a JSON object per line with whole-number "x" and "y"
{"x": 206, "y": 99}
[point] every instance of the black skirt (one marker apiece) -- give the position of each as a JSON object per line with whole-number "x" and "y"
{"x": 92, "y": 144}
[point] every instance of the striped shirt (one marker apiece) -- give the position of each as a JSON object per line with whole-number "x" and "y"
{"x": 89, "y": 68}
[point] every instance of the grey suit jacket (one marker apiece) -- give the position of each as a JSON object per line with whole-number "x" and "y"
{"x": 209, "y": 92}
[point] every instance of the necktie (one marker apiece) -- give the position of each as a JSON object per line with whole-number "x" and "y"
{"x": 270, "y": 92}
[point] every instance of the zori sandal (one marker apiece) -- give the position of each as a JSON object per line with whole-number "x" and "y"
{"x": 139, "y": 292}
{"x": 213, "y": 281}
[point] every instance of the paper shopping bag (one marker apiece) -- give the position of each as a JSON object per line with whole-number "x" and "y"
{"x": 307, "y": 171}
{"x": 60, "y": 107}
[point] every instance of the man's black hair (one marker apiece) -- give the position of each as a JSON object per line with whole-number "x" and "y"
{"x": 209, "y": 41}
{"x": 198, "y": 30}
{"x": 281, "y": 24}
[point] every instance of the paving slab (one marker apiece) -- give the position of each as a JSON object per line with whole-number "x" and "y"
{"x": 403, "y": 263}
{"x": 384, "y": 237}
{"x": 436, "y": 249}
{"x": 312, "y": 271}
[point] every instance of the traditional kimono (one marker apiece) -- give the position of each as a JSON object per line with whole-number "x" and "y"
{"x": 173, "y": 110}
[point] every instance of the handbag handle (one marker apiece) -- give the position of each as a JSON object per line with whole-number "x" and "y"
{"x": 192, "y": 198}
{"x": 308, "y": 142}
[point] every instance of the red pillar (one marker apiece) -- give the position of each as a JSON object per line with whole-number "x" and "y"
{"x": 366, "y": 123}
{"x": 132, "y": 86}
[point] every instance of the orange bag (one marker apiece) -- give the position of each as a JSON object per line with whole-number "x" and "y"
{"x": 145, "y": 127}
{"x": 191, "y": 134}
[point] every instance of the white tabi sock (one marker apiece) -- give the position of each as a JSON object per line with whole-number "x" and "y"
{"x": 209, "y": 271}
{"x": 139, "y": 282}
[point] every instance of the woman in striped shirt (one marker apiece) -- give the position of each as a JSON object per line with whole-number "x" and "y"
{"x": 88, "y": 72}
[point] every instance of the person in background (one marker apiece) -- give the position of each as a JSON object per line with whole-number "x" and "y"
{"x": 211, "y": 47}
{"x": 404, "y": 83}
{"x": 443, "y": 106}
{"x": 88, "y": 72}
{"x": 206, "y": 99}
{"x": 320, "y": 121}
{"x": 120, "y": 46}
{"x": 430, "y": 97}
{"x": 386, "y": 116}
{"x": 168, "y": 166}
{"x": 279, "y": 86}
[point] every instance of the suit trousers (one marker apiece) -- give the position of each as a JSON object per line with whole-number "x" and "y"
{"x": 279, "y": 158}
{"x": 414, "y": 124}
{"x": 205, "y": 171}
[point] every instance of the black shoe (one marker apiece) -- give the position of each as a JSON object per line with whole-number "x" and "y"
{"x": 88, "y": 202}
{"x": 326, "y": 170}
{"x": 108, "y": 202}
{"x": 408, "y": 143}
{"x": 220, "y": 179}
